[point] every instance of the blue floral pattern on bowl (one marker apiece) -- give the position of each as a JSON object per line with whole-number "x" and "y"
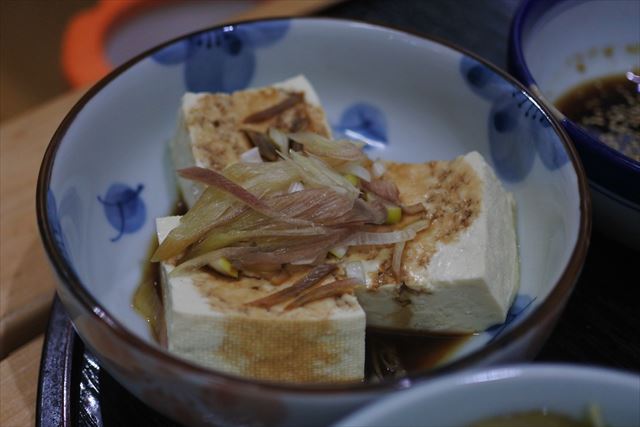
{"x": 514, "y": 120}
{"x": 364, "y": 122}
{"x": 519, "y": 306}
{"x": 222, "y": 60}
{"x": 124, "y": 209}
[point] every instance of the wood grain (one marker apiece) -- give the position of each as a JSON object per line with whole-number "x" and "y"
{"x": 281, "y": 8}
{"x": 30, "y": 42}
{"x": 19, "y": 385}
{"x": 26, "y": 281}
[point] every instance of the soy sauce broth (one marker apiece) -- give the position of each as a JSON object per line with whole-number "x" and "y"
{"x": 388, "y": 354}
{"x": 147, "y": 299}
{"x": 395, "y": 355}
{"x": 608, "y": 107}
{"x": 537, "y": 418}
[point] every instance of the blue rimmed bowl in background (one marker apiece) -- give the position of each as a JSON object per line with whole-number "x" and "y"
{"x": 106, "y": 175}
{"x": 567, "y": 390}
{"x": 554, "y": 46}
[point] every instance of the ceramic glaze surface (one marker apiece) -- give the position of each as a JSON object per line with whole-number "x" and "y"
{"x": 563, "y": 389}
{"x": 109, "y": 175}
{"x": 557, "y": 45}
{"x": 575, "y": 41}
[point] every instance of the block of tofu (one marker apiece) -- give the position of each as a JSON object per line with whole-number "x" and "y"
{"x": 210, "y": 125}
{"x": 208, "y": 322}
{"x": 459, "y": 275}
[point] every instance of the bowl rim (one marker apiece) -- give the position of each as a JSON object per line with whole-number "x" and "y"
{"x": 70, "y": 281}
{"x": 521, "y": 17}
{"x": 521, "y": 373}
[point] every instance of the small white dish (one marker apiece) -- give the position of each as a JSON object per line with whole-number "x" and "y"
{"x": 463, "y": 399}
{"x": 555, "y": 46}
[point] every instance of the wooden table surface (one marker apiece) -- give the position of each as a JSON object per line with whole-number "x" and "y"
{"x": 26, "y": 280}
{"x": 27, "y": 283}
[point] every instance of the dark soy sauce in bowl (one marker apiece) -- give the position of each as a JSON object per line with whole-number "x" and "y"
{"x": 609, "y": 108}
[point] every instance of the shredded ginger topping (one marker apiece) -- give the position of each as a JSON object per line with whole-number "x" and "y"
{"x": 307, "y": 196}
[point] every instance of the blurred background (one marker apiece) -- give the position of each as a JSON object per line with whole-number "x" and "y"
{"x": 48, "y": 47}
{"x": 30, "y": 43}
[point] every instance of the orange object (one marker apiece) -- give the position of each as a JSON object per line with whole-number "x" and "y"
{"x": 83, "y": 55}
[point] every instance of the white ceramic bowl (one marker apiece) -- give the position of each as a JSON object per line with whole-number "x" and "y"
{"x": 465, "y": 398}
{"x": 106, "y": 176}
{"x": 556, "y": 45}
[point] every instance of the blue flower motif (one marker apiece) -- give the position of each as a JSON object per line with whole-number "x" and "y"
{"x": 364, "y": 122}
{"x": 222, "y": 60}
{"x": 483, "y": 81}
{"x": 517, "y": 127}
{"x": 549, "y": 148}
{"x": 519, "y": 306}
{"x": 124, "y": 209}
{"x": 54, "y": 222}
{"x": 509, "y": 140}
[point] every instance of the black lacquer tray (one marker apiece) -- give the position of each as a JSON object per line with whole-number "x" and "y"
{"x": 600, "y": 325}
